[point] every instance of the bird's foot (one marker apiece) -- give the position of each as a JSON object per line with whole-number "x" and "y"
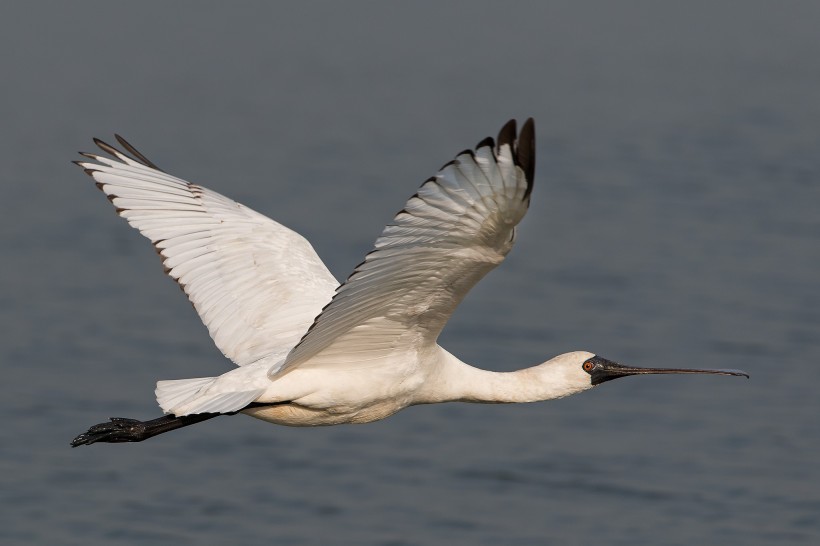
{"x": 118, "y": 429}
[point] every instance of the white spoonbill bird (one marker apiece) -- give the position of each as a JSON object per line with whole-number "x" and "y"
{"x": 311, "y": 351}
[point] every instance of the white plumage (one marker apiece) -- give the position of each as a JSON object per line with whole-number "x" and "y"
{"x": 256, "y": 284}
{"x": 311, "y": 351}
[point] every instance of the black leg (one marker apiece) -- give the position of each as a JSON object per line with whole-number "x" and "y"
{"x": 119, "y": 429}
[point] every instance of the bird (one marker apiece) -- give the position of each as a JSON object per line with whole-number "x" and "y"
{"x": 311, "y": 351}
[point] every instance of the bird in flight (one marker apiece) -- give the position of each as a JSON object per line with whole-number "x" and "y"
{"x": 310, "y": 351}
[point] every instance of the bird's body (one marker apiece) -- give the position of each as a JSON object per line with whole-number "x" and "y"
{"x": 311, "y": 351}
{"x": 432, "y": 375}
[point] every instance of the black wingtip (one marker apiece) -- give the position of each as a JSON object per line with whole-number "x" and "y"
{"x": 84, "y": 166}
{"x": 117, "y": 154}
{"x": 489, "y": 142}
{"x": 507, "y": 134}
{"x": 136, "y": 153}
{"x": 525, "y": 152}
{"x": 107, "y": 148}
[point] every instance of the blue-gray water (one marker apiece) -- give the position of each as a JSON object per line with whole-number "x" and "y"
{"x": 675, "y": 221}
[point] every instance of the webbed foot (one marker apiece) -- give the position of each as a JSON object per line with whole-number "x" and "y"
{"x": 118, "y": 429}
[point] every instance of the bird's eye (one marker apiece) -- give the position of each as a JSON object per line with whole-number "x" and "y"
{"x": 588, "y": 365}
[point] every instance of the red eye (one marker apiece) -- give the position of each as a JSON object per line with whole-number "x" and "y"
{"x": 588, "y": 365}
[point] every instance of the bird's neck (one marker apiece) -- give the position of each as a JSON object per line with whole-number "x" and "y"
{"x": 456, "y": 381}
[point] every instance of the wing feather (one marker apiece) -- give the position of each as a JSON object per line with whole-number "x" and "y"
{"x": 256, "y": 284}
{"x": 453, "y": 231}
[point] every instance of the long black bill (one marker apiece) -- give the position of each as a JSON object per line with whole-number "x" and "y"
{"x": 605, "y": 370}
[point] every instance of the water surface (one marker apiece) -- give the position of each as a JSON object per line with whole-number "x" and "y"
{"x": 674, "y": 222}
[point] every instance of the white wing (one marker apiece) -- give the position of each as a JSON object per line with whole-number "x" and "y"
{"x": 452, "y": 232}
{"x": 256, "y": 284}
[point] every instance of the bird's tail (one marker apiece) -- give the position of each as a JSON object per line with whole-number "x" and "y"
{"x": 188, "y": 396}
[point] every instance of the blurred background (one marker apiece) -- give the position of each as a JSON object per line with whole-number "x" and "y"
{"x": 675, "y": 221}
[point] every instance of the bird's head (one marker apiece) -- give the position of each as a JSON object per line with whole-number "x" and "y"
{"x": 578, "y": 371}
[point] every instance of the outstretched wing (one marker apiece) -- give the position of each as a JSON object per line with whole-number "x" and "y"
{"x": 452, "y": 232}
{"x": 256, "y": 284}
